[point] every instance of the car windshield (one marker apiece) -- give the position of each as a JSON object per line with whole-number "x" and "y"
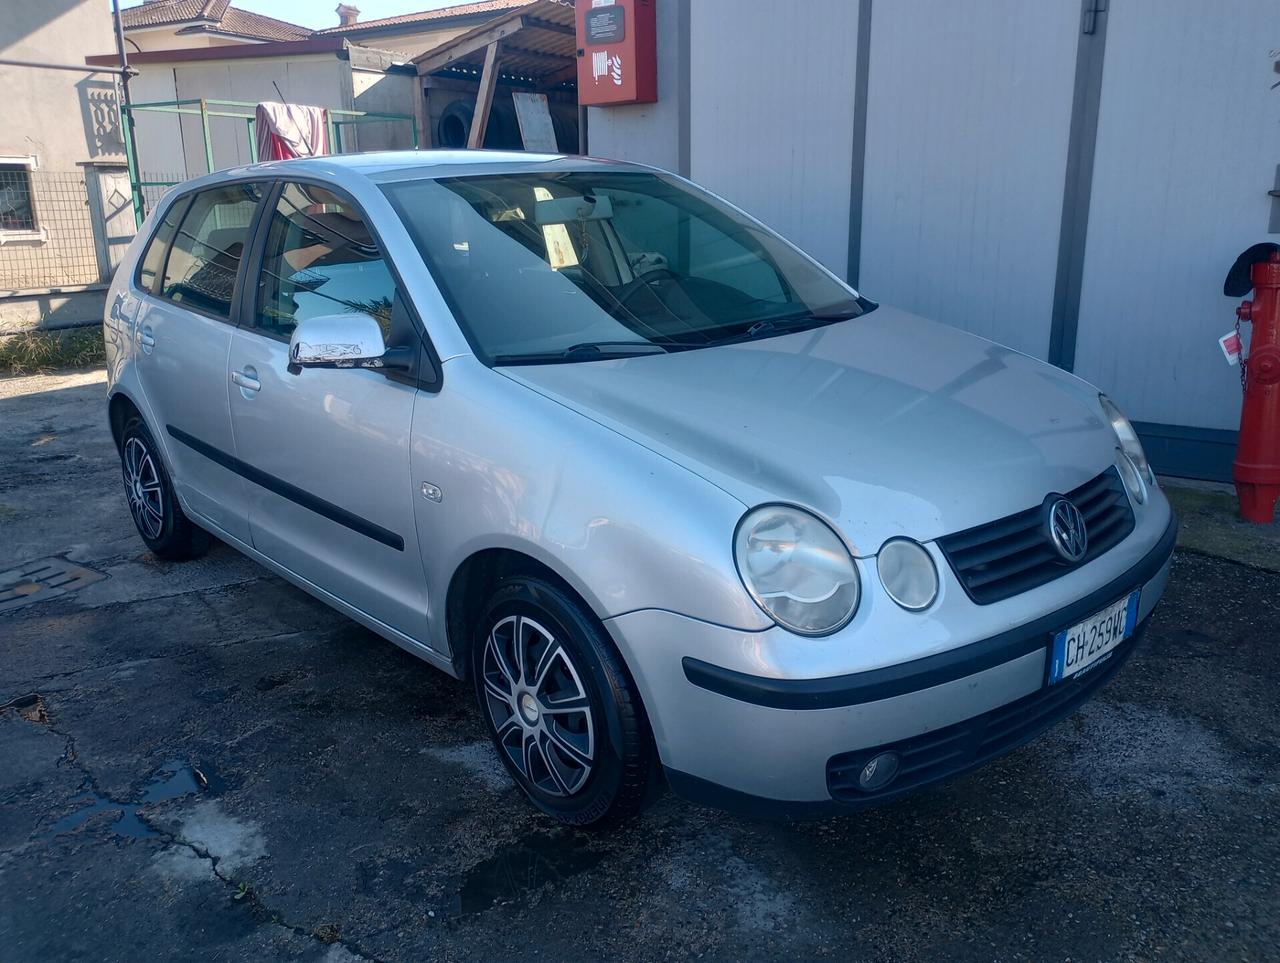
{"x": 583, "y": 265}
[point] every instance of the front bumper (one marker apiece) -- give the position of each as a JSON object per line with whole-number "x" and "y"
{"x": 793, "y": 746}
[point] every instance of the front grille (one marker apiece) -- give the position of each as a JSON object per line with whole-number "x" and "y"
{"x": 1000, "y": 559}
{"x": 942, "y": 753}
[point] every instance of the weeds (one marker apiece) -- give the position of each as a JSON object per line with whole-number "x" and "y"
{"x": 38, "y": 352}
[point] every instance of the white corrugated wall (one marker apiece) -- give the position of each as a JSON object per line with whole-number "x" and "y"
{"x": 771, "y": 114}
{"x": 969, "y": 108}
{"x": 968, "y": 126}
{"x": 1188, "y": 143}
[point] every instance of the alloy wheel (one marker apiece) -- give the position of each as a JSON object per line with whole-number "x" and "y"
{"x": 538, "y": 706}
{"x": 143, "y": 487}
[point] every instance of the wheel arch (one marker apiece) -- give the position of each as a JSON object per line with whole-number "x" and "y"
{"x": 120, "y": 408}
{"x": 475, "y": 580}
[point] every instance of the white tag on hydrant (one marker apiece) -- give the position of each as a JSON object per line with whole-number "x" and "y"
{"x": 1230, "y": 345}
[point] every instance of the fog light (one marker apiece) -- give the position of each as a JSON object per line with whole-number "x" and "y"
{"x": 907, "y": 573}
{"x": 878, "y": 772}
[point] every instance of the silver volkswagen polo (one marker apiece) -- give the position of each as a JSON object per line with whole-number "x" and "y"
{"x": 683, "y": 507}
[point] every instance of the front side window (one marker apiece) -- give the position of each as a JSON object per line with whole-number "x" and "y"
{"x": 200, "y": 272}
{"x": 320, "y": 259}
{"x": 579, "y": 265}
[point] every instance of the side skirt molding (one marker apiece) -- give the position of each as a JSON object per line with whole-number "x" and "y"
{"x": 411, "y": 645}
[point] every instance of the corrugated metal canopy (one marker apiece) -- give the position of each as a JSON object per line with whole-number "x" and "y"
{"x": 535, "y": 42}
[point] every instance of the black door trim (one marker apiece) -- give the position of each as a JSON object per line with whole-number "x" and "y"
{"x": 335, "y": 513}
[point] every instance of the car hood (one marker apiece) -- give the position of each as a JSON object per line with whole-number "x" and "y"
{"x": 887, "y": 424}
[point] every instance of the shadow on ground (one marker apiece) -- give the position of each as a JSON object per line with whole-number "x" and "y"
{"x": 200, "y": 760}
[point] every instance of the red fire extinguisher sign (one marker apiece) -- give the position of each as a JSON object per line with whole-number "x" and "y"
{"x": 617, "y": 52}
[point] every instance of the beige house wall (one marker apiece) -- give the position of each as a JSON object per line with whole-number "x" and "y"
{"x": 61, "y": 116}
{"x": 63, "y": 128}
{"x": 168, "y": 38}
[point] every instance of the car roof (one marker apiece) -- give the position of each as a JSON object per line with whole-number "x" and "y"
{"x": 386, "y": 166}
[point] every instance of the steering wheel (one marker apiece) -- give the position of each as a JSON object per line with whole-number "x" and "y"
{"x": 640, "y": 280}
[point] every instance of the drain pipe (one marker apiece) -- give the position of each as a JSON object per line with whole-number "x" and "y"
{"x": 125, "y": 72}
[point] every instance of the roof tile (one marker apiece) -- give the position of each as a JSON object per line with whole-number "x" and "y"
{"x": 217, "y": 14}
{"x": 426, "y": 16}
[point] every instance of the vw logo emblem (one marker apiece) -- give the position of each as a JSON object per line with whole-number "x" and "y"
{"x": 1067, "y": 530}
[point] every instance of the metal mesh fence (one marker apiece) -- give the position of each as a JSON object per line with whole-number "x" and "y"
{"x": 155, "y": 185}
{"x": 46, "y": 230}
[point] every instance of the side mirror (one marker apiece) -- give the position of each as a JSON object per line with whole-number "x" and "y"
{"x": 337, "y": 341}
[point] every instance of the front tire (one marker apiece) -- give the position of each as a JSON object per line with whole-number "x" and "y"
{"x": 152, "y": 502}
{"x": 561, "y": 709}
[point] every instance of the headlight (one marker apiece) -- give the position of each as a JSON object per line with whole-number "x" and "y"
{"x": 1130, "y": 448}
{"x": 797, "y": 569}
{"x": 1131, "y": 476}
{"x": 907, "y": 573}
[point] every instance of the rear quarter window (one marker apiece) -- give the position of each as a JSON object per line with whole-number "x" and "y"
{"x": 152, "y": 261}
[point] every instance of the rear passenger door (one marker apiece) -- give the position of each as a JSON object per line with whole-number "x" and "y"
{"x": 183, "y": 331}
{"x": 327, "y": 449}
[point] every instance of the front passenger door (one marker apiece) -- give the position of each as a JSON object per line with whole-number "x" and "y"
{"x": 327, "y": 449}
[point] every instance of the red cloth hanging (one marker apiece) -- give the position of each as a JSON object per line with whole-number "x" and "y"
{"x": 290, "y": 130}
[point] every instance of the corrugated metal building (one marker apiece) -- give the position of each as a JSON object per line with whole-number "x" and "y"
{"x": 1070, "y": 178}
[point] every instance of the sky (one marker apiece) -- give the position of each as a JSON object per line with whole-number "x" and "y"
{"x": 319, "y": 13}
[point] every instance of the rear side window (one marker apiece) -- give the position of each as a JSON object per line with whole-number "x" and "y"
{"x": 201, "y": 270}
{"x": 153, "y": 258}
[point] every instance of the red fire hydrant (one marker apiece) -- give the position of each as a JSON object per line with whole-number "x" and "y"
{"x": 1257, "y": 466}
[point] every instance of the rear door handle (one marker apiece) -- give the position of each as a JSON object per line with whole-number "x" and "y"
{"x": 246, "y": 379}
{"x": 146, "y": 338}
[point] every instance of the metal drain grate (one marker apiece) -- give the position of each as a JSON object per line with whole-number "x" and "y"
{"x": 45, "y": 578}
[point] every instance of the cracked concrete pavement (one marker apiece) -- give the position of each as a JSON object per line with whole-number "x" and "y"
{"x": 200, "y": 761}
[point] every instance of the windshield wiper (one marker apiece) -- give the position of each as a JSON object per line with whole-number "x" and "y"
{"x": 808, "y": 318}
{"x": 767, "y": 327}
{"x": 585, "y": 351}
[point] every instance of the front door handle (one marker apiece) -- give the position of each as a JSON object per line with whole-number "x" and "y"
{"x": 246, "y": 379}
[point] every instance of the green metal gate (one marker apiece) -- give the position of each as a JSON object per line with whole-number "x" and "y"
{"x": 243, "y": 111}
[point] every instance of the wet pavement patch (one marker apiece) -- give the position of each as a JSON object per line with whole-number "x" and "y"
{"x": 30, "y": 707}
{"x": 359, "y": 798}
{"x": 512, "y": 874}
{"x": 44, "y": 578}
{"x": 327, "y": 933}
{"x": 172, "y": 780}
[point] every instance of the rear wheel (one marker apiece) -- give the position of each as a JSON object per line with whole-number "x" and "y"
{"x": 560, "y": 707}
{"x": 149, "y": 491}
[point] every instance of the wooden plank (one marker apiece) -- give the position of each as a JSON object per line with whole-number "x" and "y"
{"x": 534, "y": 116}
{"x": 422, "y": 114}
{"x": 568, "y": 72}
{"x": 466, "y": 45}
{"x": 567, "y": 30}
{"x": 484, "y": 97}
{"x": 536, "y": 58}
{"x": 367, "y": 58}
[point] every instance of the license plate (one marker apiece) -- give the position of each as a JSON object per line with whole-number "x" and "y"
{"x": 1087, "y": 643}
